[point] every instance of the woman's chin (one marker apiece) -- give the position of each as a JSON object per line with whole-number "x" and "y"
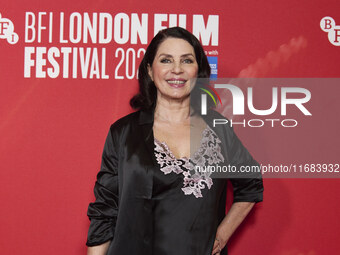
{"x": 175, "y": 96}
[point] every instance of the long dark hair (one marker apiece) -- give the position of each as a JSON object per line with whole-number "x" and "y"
{"x": 147, "y": 95}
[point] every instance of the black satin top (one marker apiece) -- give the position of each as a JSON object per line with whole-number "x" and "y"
{"x": 172, "y": 210}
{"x": 178, "y": 190}
{"x": 144, "y": 213}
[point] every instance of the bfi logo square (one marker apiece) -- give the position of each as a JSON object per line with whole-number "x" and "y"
{"x": 328, "y": 25}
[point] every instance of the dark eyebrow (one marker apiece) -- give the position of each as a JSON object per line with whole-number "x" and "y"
{"x": 187, "y": 55}
{"x": 170, "y": 56}
{"x": 165, "y": 55}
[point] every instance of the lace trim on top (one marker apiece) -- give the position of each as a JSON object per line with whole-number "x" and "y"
{"x": 208, "y": 153}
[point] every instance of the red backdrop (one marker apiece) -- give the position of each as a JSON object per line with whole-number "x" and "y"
{"x": 53, "y": 128}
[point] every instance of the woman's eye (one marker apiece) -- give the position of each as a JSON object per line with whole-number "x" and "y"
{"x": 188, "y": 61}
{"x": 165, "y": 60}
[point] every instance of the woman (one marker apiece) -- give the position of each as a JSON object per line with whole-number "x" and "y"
{"x": 149, "y": 198}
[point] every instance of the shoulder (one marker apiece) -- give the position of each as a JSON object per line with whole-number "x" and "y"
{"x": 214, "y": 114}
{"x": 120, "y": 126}
{"x": 218, "y": 122}
{"x": 126, "y": 120}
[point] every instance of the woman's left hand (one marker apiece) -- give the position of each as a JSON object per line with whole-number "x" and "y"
{"x": 236, "y": 214}
{"x": 219, "y": 243}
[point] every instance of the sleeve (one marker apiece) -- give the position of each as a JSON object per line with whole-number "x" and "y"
{"x": 247, "y": 186}
{"x": 103, "y": 212}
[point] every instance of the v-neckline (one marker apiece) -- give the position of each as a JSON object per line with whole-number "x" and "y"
{"x": 169, "y": 151}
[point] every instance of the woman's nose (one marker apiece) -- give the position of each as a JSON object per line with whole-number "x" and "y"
{"x": 177, "y": 68}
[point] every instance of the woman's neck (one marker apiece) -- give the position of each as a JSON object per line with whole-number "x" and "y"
{"x": 173, "y": 111}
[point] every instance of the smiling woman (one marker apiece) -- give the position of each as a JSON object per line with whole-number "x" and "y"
{"x": 149, "y": 197}
{"x": 173, "y": 69}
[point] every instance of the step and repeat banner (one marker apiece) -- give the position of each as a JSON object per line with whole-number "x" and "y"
{"x": 69, "y": 68}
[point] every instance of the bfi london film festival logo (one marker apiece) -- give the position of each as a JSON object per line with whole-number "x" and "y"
{"x": 328, "y": 25}
{"x": 238, "y": 105}
{"x": 7, "y": 31}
